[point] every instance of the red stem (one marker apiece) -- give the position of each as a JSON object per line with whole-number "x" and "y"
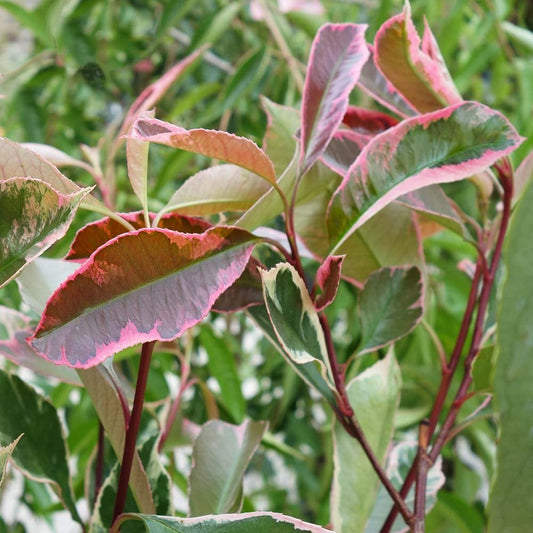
{"x": 133, "y": 428}
{"x": 424, "y": 465}
{"x": 338, "y": 377}
{"x": 352, "y": 427}
{"x": 506, "y": 179}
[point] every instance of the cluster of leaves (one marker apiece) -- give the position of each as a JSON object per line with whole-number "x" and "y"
{"x": 357, "y": 193}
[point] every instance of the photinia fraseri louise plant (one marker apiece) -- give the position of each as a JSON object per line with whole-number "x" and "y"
{"x": 358, "y": 191}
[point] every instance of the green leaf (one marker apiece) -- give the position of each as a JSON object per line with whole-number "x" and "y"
{"x": 30, "y": 19}
{"x": 101, "y": 385}
{"x": 391, "y": 305}
{"x": 5, "y": 454}
{"x": 38, "y": 281}
{"x": 310, "y": 372}
{"x": 160, "y": 484}
{"x": 294, "y": 318}
{"x": 509, "y": 507}
{"x": 137, "y": 159}
{"x": 260, "y": 522}
{"x": 216, "y": 189}
{"x": 216, "y": 26}
{"x": 399, "y": 462}
{"x": 453, "y": 514}
{"x": 33, "y": 217}
{"x": 221, "y": 454}
{"x": 41, "y": 454}
{"x": 374, "y": 396}
{"x": 222, "y": 367}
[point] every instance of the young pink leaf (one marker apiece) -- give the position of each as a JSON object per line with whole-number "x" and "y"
{"x": 440, "y": 147}
{"x": 376, "y": 85}
{"x": 152, "y": 284}
{"x": 420, "y": 75}
{"x": 367, "y": 121}
{"x": 154, "y": 92}
{"x": 328, "y": 278}
{"x": 346, "y": 145}
{"x": 338, "y": 54}
{"x": 391, "y": 305}
{"x": 95, "y": 234}
{"x": 34, "y": 216}
{"x": 211, "y": 143}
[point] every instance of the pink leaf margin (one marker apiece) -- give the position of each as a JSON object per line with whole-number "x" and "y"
{"x": 338, "y": 54}
{"x": 48, "y": 338}
{"x": 387, "y": 143}
{"x": 424, "y": 59}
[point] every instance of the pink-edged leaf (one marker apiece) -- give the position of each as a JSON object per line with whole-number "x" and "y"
{"x": 376, "y": 85}
{"x": 95, "y": 234}
{"x": 391, "y": 305}
{"x": 440, "y": 147}
{"x": 343, "y": 150}
{"x": 137, "y": 160}
{"x": 211, "y": 143}
{"x": 151, "y": 284}
{"x": 154, "y": 92}
{"x": 328, "y": 278}
{"x": 338, "y": 54}
{"x": 420, "y": 75}
{"x": 222, "y": 523}
{"x": 367, "y": 121}
{"x": 17, "y": 161}
{"x": 33, "y": 216}
{"x": 216, "y": 189}
{"x": 246, "y": 292}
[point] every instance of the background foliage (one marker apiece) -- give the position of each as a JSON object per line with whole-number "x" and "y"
{"x": 92, "y": 58}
